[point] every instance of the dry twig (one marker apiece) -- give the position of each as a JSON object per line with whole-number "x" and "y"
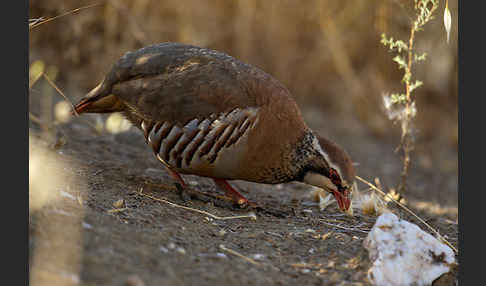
{"x": 343, "y": 227}
{"x": 59, "y": 91}
{"x": 116, "y": 210}
{"x": 47, "y": 125}
{"x": 251, "y": 215}
{"x": 252, "y": 261}
{"x": 37, "y": 22}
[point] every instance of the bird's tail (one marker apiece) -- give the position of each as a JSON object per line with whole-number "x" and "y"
{"x": 98, "y": 100}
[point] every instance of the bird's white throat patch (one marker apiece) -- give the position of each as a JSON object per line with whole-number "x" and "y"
{"x": 319, "y": 181}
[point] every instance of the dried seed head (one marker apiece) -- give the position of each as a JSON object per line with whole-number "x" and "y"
{"x": 322, "y": 197}
{"x": 371, "y": 204}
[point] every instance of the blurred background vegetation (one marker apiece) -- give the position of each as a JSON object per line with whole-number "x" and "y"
{"x": 327, "y": 52}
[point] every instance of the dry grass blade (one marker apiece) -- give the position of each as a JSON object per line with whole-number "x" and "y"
{"x": 42, "y": 124}
{"x": 60, "y": 92}
{"x": 116, "y": 210}
{"x": 38, "y": 120}
{"x": 410, "y": 212}
{"x": 37, "y": 22}
{"x": 47, "y": 125}
{"x": 251, "y": 215}
{"x": 224, "y": 248}
{"x": 34, "y": 21}
{"x": 345, "y": 228}
{"x": 306, "y": 265}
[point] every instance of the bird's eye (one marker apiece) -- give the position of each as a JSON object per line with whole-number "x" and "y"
{"x": 333, "y": 175}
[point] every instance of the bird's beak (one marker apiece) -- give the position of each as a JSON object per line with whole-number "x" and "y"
{"x": 342, "y": 199}
{"x": 341, "y": 194}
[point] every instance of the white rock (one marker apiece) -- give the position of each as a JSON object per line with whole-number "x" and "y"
{"x": 403, "y": 254}
{"x": 258, "y": 256}
{"x": 220, "y": 255}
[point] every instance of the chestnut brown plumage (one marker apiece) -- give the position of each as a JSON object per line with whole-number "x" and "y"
{"x": 205, "y": 113}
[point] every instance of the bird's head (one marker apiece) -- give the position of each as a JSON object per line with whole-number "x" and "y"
{"x": 330, "y": 168}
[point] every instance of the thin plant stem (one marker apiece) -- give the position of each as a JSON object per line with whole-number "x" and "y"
{"x": 40, "y": 21}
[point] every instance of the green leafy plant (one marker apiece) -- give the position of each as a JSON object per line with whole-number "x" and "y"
{"x": 401, "y": 105}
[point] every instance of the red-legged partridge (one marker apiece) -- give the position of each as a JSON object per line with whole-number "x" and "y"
{"x": 208, "y": 114}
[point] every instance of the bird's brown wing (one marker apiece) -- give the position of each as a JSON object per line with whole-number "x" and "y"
{"x": 177, "y": 83}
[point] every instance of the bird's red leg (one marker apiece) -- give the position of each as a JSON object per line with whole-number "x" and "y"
{"x": 176, "y": 177}
{"x": 186, "y": 194}
{"x": 171, "y": 172}
{"x": 231, "y": 192}
{"x": 180, "y": 184}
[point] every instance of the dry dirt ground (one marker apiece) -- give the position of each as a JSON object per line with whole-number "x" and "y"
{"x": 80, "y": 236}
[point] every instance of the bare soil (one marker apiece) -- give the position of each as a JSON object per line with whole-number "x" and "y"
{"x": 84, "y": 239}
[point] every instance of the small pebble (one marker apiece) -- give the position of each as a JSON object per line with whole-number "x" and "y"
{"x": 171, "y": 245}
{"x": 221, "y": 255}
{"x": 181, "y": 250}
{"x": 258, "y": 256}
{"x": 221, "y": 232}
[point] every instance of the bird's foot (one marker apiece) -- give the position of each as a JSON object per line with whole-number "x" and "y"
{"x": 223, "y": 201}
{"x": 183, "y": 192}
{"x": 233, "y": 194}
{"x": 188, "y": 194}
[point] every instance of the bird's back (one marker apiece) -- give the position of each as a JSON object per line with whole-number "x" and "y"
{"x": 178, "y": 82}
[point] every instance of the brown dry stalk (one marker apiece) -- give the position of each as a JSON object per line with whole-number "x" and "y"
{"x": 37, "y": 120}
{"x": 224, "y": 248}
{"x": 410, "y": 212}
{"x": 117, "y": 210}
{"x": 343, "y": 227}
{"x": 60, "y": 92}
{"x": 38, "y": 23}
{"x": 406, "y": 140}
{"x": 55, "y": 123}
